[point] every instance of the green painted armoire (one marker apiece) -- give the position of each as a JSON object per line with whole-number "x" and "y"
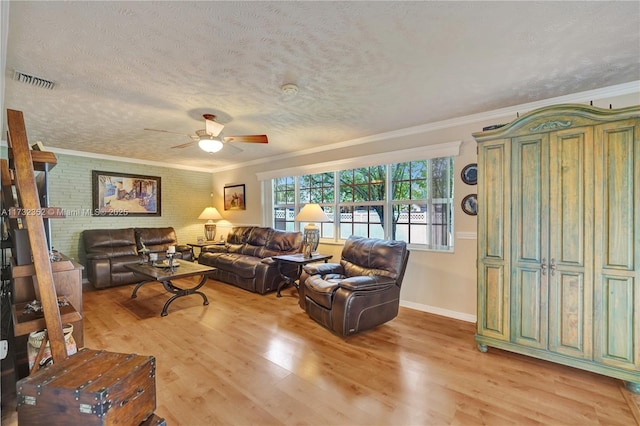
{"x": 559, "y": 238}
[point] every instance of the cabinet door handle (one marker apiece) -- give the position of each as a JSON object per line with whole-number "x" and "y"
{"x": 543, "y": 266}
{"x": 552, "y": 266}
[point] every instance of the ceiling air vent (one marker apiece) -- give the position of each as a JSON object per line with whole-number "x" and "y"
{"x": 33, "y": 80}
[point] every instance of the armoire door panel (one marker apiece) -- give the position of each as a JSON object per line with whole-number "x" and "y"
{"x": 619, "y": 341}
{"x": 493, "y": 200}
{"x": 493, "y": 320}
{"x": 617, "y": 144}
{"x": 570, "y": 315}
{"x": 529, "y": 319}
{"x": 571, "y": 177}
{"x": 529, "y": 189}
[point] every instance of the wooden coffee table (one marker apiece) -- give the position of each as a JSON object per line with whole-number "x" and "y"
{"x": 164, "y": 275}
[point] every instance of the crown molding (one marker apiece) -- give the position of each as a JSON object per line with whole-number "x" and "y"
{"x": 580, "y": 97}
{"x": 85, "y": 154}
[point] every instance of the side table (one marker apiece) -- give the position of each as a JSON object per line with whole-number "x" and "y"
{"x": 203, "y": 244}
{"x": 299, "y": 260}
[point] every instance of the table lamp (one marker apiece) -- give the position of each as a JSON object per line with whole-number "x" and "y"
{"x": 312, "y": 213}
{"x": 210, "y": 214}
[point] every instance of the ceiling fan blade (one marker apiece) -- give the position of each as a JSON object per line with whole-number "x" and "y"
{"x": 167, "y": 131}
{"x": 248, "y": 138}
{"x": 231, "y": 149}
{"x": 184, "y": 145}
{"x": 213, "y": 127}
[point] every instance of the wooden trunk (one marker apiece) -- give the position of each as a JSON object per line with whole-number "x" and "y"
{"x": 90, "y": 388}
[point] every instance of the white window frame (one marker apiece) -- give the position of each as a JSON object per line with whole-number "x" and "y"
{"x": 448, "y": 149}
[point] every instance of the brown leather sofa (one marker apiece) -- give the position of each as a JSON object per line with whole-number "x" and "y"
{"x": 107, "y": 251}
{"x": 359, "y": 293}
{"x": 245, "y": 260}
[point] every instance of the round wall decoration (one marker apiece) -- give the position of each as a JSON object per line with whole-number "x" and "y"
{"x": 469, "y": 174}
{"x": 470, "y": 204}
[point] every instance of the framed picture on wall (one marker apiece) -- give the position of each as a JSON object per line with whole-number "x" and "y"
{"x": 234, "y": 197}
{"x": 124, "y": 194}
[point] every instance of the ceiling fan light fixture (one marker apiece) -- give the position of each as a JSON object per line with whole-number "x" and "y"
{"x": 210, "y": 145}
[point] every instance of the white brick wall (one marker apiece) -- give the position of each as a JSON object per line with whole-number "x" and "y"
{"x": 184, "y": 195}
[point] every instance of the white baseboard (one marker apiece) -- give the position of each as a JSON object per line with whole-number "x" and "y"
{"x": 439, "y": 311}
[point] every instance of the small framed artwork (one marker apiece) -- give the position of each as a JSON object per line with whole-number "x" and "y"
{"x": 469, "y": 174}
{"x": 124, "y": 194}
{"x": 470, "y": 204}
{"x": 234, "y": 197}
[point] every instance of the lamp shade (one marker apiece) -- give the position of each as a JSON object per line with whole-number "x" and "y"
{"x": 312, "y": 213}
{"x": 210, "y": 213}
{"x": 210, "y": 145}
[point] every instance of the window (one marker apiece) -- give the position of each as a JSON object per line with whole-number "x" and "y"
{"x": 422, "y": 202}
{"x": 410, "y": 201}
{"x": 284, "y": 196}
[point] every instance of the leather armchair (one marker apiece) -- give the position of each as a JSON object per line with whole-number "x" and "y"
{"x": 359, "y": 293}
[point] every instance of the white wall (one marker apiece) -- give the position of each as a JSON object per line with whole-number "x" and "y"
{"x": 442, "y": 283}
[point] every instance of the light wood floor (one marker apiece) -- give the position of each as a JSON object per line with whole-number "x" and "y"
{"x": 248, "y": 359}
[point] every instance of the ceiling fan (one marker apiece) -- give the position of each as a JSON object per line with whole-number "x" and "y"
{"x": 209, "y": 139}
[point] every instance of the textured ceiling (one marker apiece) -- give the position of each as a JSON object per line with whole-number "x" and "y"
{"x": 363, "y": 68}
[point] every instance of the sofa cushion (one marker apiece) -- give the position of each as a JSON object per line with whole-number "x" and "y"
{"x": 110, "y": 242}
{"x": 282, "y": 242}
{"x": 238, "y": 235}
{"x": 364, "y": 256}
{"x": 156, "y": 239}
{"x": 241, "y": 265}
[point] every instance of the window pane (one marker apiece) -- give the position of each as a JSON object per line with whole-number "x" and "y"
{"x": 327, "y": 229}
{"x": 363, "y": 221}
{"x": 283, "y": 219}
{"x": 346, "y": 193}
{"x": 440, "y": 177}
{"x": 418, "y": 190}
{"x": 305, "y": 196}
{"x": 419, "y": 169}
{"x": 377, "y": 192}
{"x": 400, "y": 171}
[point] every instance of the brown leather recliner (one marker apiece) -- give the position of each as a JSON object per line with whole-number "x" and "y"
{"x": 359, "y": 293}
{"x": 108, "y": 251}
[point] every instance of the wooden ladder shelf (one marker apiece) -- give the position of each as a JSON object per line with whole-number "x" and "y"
{"x": 28, "y": 200}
